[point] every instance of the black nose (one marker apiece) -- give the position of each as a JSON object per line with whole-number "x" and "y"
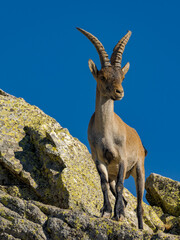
{"x": 117, "y": 91}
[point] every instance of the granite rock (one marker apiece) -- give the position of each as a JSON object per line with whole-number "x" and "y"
{"x": 50, "y": 188}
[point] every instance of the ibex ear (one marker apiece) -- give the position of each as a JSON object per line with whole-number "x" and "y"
{"x": 125, "y": 69}
{"x": 92, "y": 67}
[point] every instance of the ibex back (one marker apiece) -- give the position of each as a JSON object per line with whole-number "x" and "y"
{"x": 116, "y": 148}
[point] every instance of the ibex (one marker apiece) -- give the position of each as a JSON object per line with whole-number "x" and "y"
{"x": 116, "y": 148}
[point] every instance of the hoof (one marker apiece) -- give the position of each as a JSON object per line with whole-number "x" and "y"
{"x": 120, "y": 218}
{"x": 106, "y": 215}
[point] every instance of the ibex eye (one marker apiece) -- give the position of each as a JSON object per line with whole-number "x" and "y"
{"x": 103, "y": 78}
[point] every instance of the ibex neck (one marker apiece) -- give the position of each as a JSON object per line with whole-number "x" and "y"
{"x": 104, "y": 112}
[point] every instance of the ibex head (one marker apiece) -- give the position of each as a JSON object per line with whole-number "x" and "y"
{"x": 109, "y": 78}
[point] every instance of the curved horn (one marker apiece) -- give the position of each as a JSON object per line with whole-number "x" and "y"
{"x": 118, "y": 50}
{"x": 99, "y": 47}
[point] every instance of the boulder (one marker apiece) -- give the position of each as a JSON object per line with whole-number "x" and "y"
{"x": 164, "y": 196}
{"x": 40, "y": 160}
{"x": 163, "y": 192}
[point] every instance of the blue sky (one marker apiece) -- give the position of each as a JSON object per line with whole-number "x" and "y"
{"x": 44, "y": 59}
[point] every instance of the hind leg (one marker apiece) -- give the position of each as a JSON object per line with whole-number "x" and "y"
{"x": 139, "y": 177}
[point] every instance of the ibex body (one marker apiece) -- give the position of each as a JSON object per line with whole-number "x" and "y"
{"x": 116, "y": 148}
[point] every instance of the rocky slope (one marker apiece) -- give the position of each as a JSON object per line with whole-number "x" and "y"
{"x": 50, "y": 189}
{"x": 28, "y": 220}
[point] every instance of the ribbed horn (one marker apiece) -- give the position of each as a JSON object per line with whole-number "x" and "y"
{"x": 118, "y": 50}
{"x": 99, "y": 47}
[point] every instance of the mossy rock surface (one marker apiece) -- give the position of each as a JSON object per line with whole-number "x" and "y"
{"x": 40, "y": 164}
{"x": 27, "y": 220}
{"x": 40, "y": 160}
{"x": 163, "y": 192}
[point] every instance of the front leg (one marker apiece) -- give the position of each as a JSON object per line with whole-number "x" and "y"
{"x": 119, "y": 204}
{"x": 106, "y": 210}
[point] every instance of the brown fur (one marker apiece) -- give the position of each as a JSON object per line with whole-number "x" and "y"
{"x": 112, "y": 141}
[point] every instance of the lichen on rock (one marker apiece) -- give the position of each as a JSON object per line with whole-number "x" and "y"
{"x": 163, "y": 192}
{"x": 34, "y": 220}
{"x": 44, "y": 160}
{"x": 50, "y": 188}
